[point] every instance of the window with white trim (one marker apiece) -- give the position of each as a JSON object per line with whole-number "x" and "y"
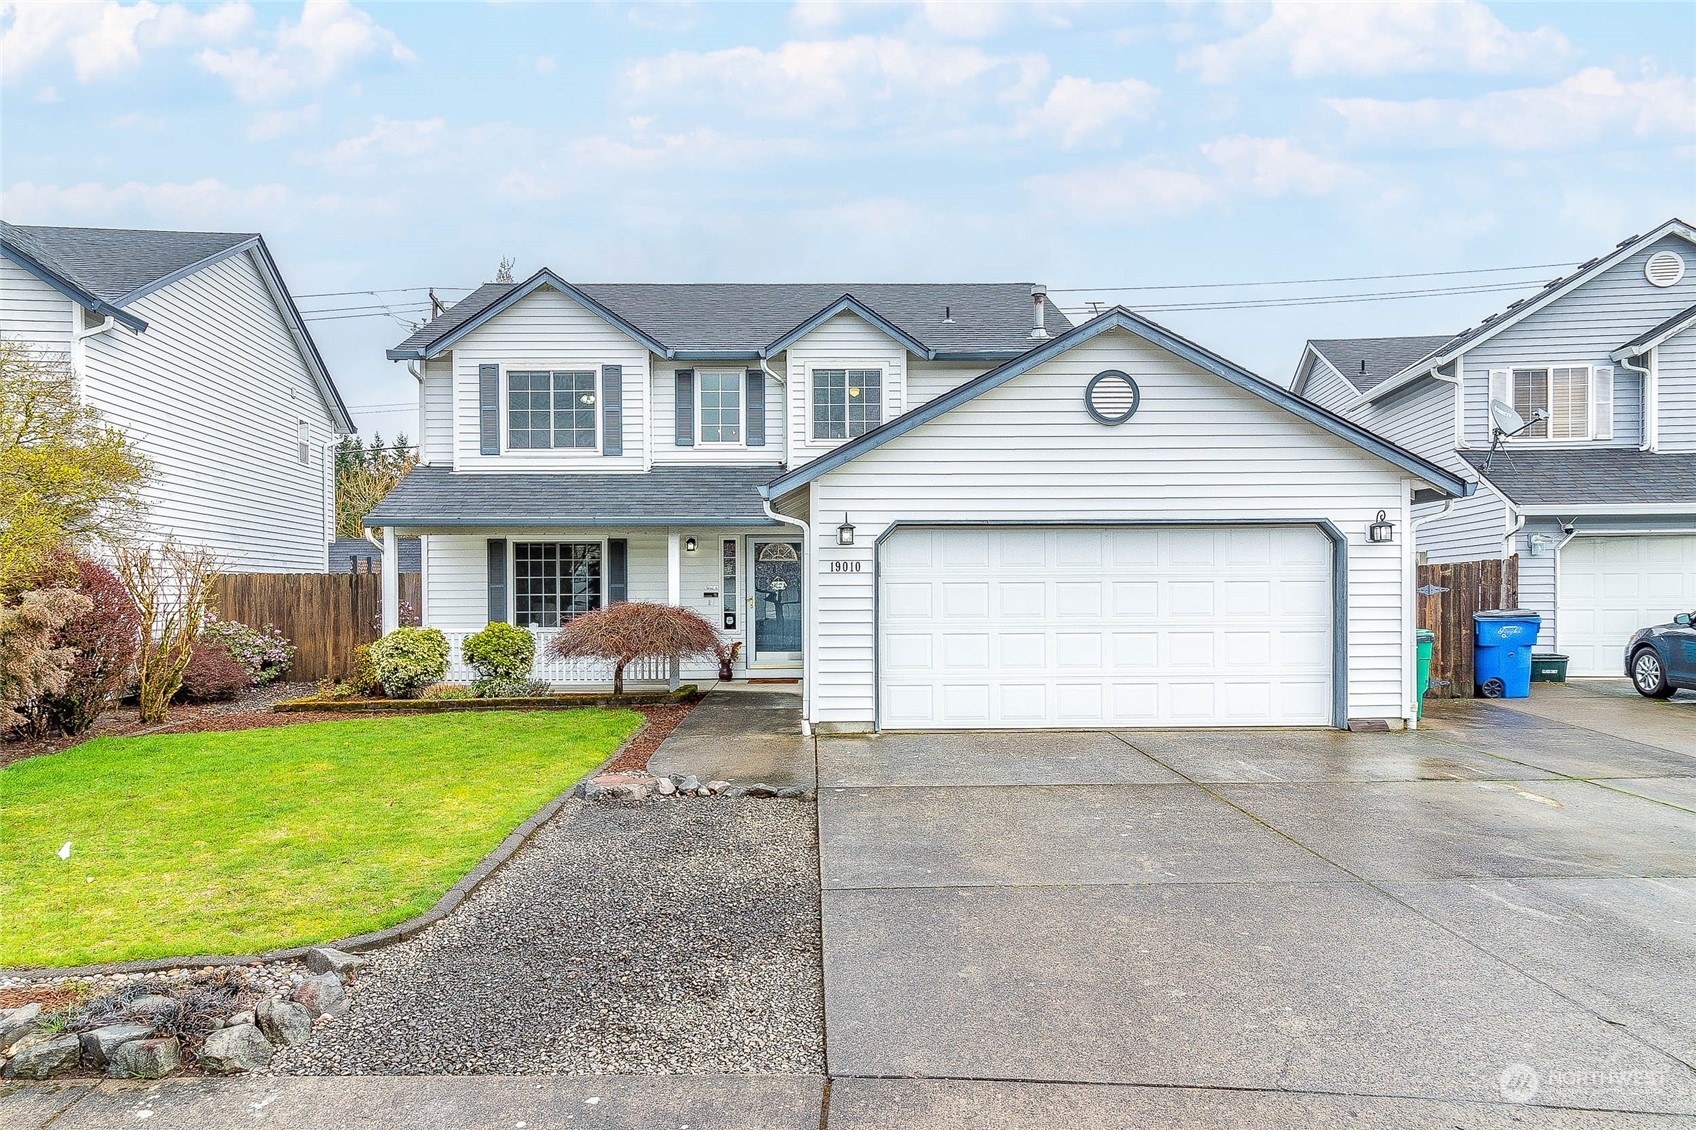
{"x": 552, "y": 582}
{"x": 846, "y": 402}
{"x": 1563, "y": 391}
{"x": 550, "y": 409}
{"x": 303, "y": 442}
{"x": 720, "y": 412}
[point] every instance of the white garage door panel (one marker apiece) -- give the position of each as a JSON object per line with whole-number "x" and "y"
{"x": 1610, "y": 587}
{"x": 1088, "y": 627}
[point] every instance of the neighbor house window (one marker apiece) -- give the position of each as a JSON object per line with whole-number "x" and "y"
{"x": 550, "y": 409}
{"x": 846, "y": 402}
{"x": 554, "y": 581}
{"x": 721, "y": 407}
{"x": 303, "y": 442}
{"x": 1563, "y": 391}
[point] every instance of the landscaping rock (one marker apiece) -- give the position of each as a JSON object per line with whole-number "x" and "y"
{"x": 323, "y": 959}
{"x": 241, "y": 1047}
{"x": 796, "y": 792}
{"x": 320, "y": 994}
{"x": 40, "y": 1058}
{"x": 146, "y": 1059}
{"x": 689, "y": 784}
{"x": 760, "y": 790}
{"x": 246, "y": 1017}
{"x": 98, "y": 1045}
{"x": 15, "y": 1024}
{"x": 717, "y": 786}
{"x": 734, "y": 792}
{"x": 665, "y": 786}
{"x": 284, "y": 1022}
{"x": 151, "y": 1005}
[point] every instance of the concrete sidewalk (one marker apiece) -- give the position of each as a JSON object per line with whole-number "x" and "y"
{"x": 742, "y": 736}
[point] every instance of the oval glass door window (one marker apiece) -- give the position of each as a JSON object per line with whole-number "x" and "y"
{"x": 1112, "y": 397}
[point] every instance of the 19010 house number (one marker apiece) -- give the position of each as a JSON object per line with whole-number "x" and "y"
{"x": 845, "y": 566}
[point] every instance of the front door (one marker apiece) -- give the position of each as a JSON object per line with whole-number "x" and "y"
{"x": 775, "y": 601}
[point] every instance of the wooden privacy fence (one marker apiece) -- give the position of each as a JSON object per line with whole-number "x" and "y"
{"x": 1448, "y": 596}
{"x": 325, "y": 615}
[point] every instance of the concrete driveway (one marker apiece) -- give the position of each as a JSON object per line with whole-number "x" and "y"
{"x": 1271, "y": 928}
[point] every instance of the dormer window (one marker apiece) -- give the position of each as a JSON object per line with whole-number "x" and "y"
{"x": 846, "y": 402}
{"x": 551, "y": 409}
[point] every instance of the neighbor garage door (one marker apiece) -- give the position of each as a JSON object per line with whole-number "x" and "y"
{"x": 1610, "y": 587}
{"x": 1058, "y": 627}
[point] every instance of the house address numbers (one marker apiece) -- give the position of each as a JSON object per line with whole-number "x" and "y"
{"x": 845, "y": 566}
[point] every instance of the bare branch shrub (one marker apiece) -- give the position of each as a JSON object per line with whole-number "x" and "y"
{"x": 633, "y": 630}
{"x": 173, "y": 586}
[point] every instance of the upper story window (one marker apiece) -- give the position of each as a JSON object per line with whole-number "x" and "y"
{"x": 551, "y": 409}
{"x": 303, "y": 442}
{"x": 846, "y": 402}
{"x": 721, "y": 407}
{"x": 1563, "y": 391}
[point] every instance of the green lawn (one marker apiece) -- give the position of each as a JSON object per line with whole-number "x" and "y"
{"x": 251, "y": 840}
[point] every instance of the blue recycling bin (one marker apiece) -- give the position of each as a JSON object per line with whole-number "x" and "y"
{"x": 1501, "y": 654}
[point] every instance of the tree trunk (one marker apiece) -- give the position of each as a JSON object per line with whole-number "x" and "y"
{"x": 618, "y": 677}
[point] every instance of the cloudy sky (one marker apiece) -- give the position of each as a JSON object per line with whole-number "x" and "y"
{"x": 1139, "y": 154}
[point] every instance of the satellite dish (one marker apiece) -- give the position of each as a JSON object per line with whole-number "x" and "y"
{"x": 1508, "y": 422}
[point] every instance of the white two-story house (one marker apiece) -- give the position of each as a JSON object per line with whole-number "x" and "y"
{"x": 1598, "y": 498}
{"x": 190, "y": 342}
{"x": 938, "y": 505}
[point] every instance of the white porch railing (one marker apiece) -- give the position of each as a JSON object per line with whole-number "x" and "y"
{"x": 560, "y": 671}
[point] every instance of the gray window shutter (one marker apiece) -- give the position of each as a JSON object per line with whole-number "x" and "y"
{"x": 497, "y": 580}
{"x": 685, "y": 429}
{"x": 754, "y": 409}
{"x": 489, "y": 408}
{"x": 618, "y": 570}
{"x": 612, "y": 409}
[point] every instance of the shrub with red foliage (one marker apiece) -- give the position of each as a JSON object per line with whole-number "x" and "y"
{"x": 632, "y": 630}
{"x": 212, "y": 674}
{"x": 105, "y": 639}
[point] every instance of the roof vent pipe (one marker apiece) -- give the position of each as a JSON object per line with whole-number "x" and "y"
{"x": 948, "y": 315}
{"x": 1039, "y": 324}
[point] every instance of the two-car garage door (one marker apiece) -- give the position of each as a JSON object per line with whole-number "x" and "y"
{"x": 1020, "y": 627}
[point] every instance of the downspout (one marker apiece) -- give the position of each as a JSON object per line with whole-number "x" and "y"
{"x": 79, "y": 356}
{"x": 812, "y": 600}
{"x": 1650, "y": 424}
{"x": 784, "y": 384}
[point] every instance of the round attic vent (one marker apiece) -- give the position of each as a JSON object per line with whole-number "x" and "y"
{"x": 1664, "y": 268}
{"x": 1112, "y": 397}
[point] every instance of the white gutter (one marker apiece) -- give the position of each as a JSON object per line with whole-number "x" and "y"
{"x": 1416, "y": 523}
{"x": 784, "y": 384}
{"x": 812, "y": 602}
{"x": 1651, "y": 424}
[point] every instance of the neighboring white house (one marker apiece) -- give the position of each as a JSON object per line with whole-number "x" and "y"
{"x": 1599, "y": 500}
{"x": 190, "y": 343}
{"x": 939, "y": 505}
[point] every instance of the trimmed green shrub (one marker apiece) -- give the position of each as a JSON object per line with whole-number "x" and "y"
{"x": 500, "y": 651}
{"x": 511, "y": 688}
{"x": 410, "y": 659}
{"x": 364, "y": 679}
{"x": 446, "y": 692}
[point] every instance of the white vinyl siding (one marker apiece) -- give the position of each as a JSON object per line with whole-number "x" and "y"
{"x": 844, "y": 342}
{"x": 1675, "y": 376}
{"x": 435, "y": 429}
{"x": 1199, "y": 450}
{"x": 663, "y": 404}
{"x": 33, "y": 312}
{"x": 927, "y": 380}
{"x": 213, "y": 394}
{"x": 546, "y": 330}
{"x": 1474, "y": 528}
{"x": 1326, "y": 388}
{"x": 1582, "y": 328}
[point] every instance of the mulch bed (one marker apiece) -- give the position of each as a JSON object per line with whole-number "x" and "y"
{"x": 662, "y": 720}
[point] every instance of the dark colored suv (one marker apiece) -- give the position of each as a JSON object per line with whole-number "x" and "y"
{"x": 1662, "y": 659}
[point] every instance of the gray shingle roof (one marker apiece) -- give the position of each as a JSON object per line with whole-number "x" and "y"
{"x": 114, "y": 263}
{"x": 1684, "y": 317}
{"x": 1601, "y": 477}
{"x": 744, "y": 317}
{"x": 1384, "y": 357}
{"x": 665, "y": 496}
{"x": 343, "y": 552}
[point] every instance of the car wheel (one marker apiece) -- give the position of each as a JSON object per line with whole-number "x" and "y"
{"x": 1649, "y": 674}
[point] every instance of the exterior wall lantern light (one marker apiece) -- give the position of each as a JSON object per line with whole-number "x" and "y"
{"x": 845, "y": 532}
{"x": 1382, "y": 530}
{"x": 688, "y": 545}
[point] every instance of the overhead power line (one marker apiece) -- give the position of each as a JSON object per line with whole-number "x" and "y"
{"x": 1307, "y": 282}
{"x": 1320, "y": 299}
{"x": 390, "y": 290}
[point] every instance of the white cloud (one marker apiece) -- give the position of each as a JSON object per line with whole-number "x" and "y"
{"x": 106, "y": 39}
{"x": 671, "y": 16}
{"x": 963, "y": 19}
{"x": 388, "y": 140}
{"x": 205, "y": 204}
{"x": 330, "y": 38}
{"x": 850, "y": 82}
{"x": 1579, "y": 110}
{"x": 1395, "y": 36}
{"x": 268, "y": 125}
{"x": 545, "y": 65}
{"x": 1232, "y": 168}
{"x": 1078, "y": 109}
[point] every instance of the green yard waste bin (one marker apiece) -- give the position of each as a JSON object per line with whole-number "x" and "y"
{"x": 1426, "y": 639}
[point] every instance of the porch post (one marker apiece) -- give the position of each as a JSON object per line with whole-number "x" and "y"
{"x": 391, "y": 580}
{"x": 674, "y": 592}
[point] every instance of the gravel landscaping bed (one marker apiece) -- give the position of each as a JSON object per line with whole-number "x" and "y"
{"x": 661, "y": 936}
